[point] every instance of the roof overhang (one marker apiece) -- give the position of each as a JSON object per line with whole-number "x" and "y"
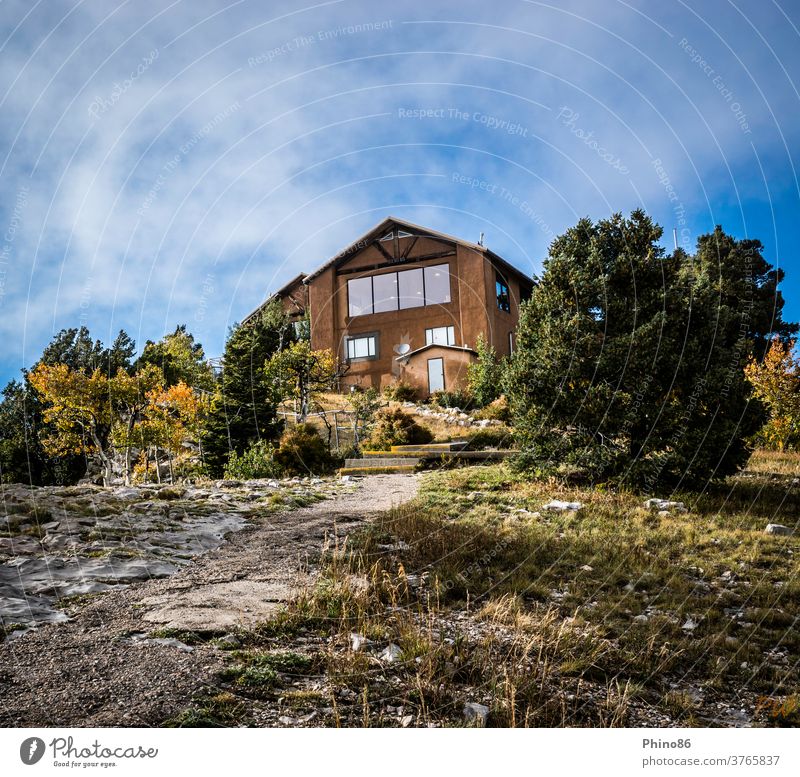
{"x": 461, "y": 348}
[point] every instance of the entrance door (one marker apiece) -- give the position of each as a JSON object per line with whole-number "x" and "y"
{"x": 435, "y": 375}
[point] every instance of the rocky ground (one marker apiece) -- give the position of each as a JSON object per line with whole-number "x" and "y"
{"x": 102, "y": 657}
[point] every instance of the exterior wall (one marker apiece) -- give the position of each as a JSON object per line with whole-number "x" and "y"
{"x": 472, "y": 310}
{"x": 500, "y": 323}
{"x": 294, "y": 299}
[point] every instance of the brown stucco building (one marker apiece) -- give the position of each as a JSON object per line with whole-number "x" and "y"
{"x": 407, "y": 303}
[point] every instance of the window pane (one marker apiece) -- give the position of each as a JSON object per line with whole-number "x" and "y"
{"x": 503, "y": 299}
{"x": 361, "y": 347}
{"x": 410, "y": 288}
{"x": 440, "y": 335}
{"x": 385, "y": 290}
{"x": 437, "y": 285}
{"x": 359, "y": 296}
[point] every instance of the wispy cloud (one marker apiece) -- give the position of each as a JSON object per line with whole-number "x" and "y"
{"x": 179, "y": 160}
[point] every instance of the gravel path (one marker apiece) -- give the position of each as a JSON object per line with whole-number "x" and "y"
{"x": 92, "y": 672}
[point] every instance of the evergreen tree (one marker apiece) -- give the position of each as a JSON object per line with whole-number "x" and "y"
{"x": 244, "y": 407}
{"x": 630, "y": 362}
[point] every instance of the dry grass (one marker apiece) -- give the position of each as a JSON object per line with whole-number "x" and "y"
{"x": 610, "y": 616}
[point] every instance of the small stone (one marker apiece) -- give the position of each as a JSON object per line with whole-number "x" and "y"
{"x": 358, "y": 642}
{"x": 690, "y": 625}
{"x": 587, "y": 568}
{"x": 476, "y": 713}
{"x": 286, "y": 720}
{"x": 557, "y": 506}
{"x": 778, "y": 529}
{"x": 392, "y": 653}
{"x": 229, "y": 642}
{"x": 347, "y": 478}
{"x": 406, "y": 720}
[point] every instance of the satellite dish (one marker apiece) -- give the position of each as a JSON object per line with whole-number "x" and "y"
{"x": 402, "y": 349}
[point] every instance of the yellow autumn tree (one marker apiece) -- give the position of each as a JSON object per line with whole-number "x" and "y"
{"x": 130, "y": 399}
{"x": 79, "y": 409}
{"x": 299, "y": 373}
{"x": 172, "y": 416}
{"x": 776, "y": 382}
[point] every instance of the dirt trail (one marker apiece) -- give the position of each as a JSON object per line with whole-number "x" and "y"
{"x": 90, "y": 672}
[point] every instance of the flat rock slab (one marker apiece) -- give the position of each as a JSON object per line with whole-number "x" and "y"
{"x": 218, "y": 606}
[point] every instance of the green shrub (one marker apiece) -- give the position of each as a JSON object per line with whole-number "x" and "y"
{"x": 495, "y": 411}
{"x": 400, "y": 392}
{"x": 302, "y": 451}
{"x": 257, "y": 461}
{"x": 485, "y": 376}
{"x": 494, "y": 437}
{"x": 394, "y": 427}
{"x": 448, "y": 399}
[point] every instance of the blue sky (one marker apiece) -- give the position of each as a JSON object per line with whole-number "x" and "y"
{"x": 172, "y": 162}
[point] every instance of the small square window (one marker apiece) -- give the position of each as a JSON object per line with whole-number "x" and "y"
{"x": 362, "y": 347}
{"x": 440, "y": 335}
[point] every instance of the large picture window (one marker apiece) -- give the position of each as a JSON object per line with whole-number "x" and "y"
{"x": 412, "y": 289}
{"x": 399, "y": 290}
{"x": 384, "y": 290}
{"x": 359, "y": 296}
{"x": 437, "y": 285}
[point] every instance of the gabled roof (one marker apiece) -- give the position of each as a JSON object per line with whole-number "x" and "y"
{"x": 391, "y": 222}
{"x": 281, "y": 292}
{"x": 435, "y": 345}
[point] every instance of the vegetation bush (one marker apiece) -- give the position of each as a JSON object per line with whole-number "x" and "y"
{"x": 394, "y": 427}
{"x": 494, "y": 437}
{"x": 400, "y": 392}
{"x": 448, "y": 399}
{"x": 302, "y": 451}
{"x": 485, "y": 375}
{"x": 494, "y": 411}
{"x": 257, "y": 461}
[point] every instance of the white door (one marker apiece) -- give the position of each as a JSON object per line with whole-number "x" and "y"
{"x": 435, "y": 375}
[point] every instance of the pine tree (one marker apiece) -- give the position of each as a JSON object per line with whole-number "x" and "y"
{"x": 629, "y": 362}
{"x": 244, "y": 407}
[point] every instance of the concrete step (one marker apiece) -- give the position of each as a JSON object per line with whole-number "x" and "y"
{"x": 397, "y": 468}
{"x": 432, "y": 447}
{"x": 388, "y": 455}
{"x": 384, "y": 461}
